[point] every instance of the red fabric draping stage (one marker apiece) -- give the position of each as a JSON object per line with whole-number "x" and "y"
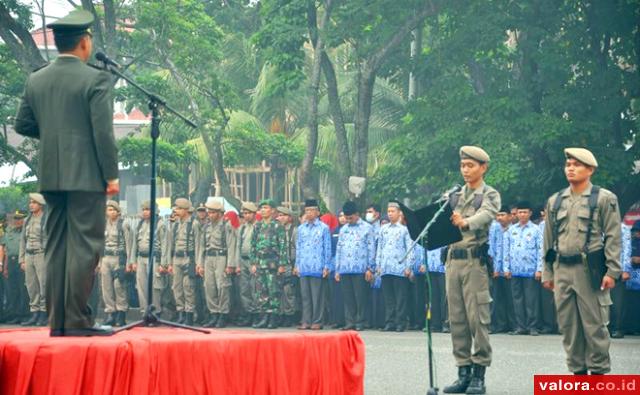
{"x": 177, "y": 361}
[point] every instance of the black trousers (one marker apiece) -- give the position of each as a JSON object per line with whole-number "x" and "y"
{"x": 395, "y": 290}
{"x": 548, "y": 321}
{"x": 526, "y": 302}
{"x": 15, "y": 291}
{"x": 439, "y": 310}
{"x": 631, "y": 313}
{"x": 313, "y": 299}
{"x": 75, "y": 231}
{"x": 502, "y": 314}
{"x": 617, "y": 310}
{"x": 335, "y": 302}
{"x": 354, "y": 292}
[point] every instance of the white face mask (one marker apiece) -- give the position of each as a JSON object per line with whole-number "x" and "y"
{"x": 370, "y": 217}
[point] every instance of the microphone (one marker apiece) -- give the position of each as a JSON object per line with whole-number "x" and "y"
{"x": 105, "y": 59}
{"x": 448, "y": 192}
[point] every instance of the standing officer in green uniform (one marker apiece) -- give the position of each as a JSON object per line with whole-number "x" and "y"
{"x": 139, "y": 258}
{"x": 181, "y": 252}
{"x": 200, "y": 220}
{"x": 32, "y": 245}
{"x": 467, "y": 282}
{"x": 288, "y": 283}
{"x": 582, "y": 220}
{"x": 268, "y": 255}
{"x": 247, "y": 281}
{"x": 68, "y": 106}
{"x": 17, "y": 297}
{"x": 216, "y": 263}
{"x": 114, "y": 265}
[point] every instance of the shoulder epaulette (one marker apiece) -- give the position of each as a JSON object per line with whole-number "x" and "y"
{"x": 41, "y": 67}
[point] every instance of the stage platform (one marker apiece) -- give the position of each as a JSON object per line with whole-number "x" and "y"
{"x": 177, "y": 361}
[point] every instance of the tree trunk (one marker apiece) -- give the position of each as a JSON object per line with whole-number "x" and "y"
{"x": 19, "y": 41}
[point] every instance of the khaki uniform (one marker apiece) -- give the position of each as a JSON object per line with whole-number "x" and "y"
{"x": 289, "y": 282}
{"x": 32, "y": 245}
{"x": 582, "y": 313}
{"x": 217, "y": 252}
{"x": 140, "y": 256}
{"x": 467, "y": 280}
{"x": 247, "y": 280}
{"x": 181, "y": 253}
{"x": 114, "y": 286}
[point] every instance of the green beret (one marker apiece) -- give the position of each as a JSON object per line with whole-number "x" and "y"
{"x": 475, "y": 153}
{"x": 19, "y": 214}
{"x": 581, "y": 155}
{"x": 267, "y": 202}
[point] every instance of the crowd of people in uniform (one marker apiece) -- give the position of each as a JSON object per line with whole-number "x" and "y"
{"x": 273, "y": 268}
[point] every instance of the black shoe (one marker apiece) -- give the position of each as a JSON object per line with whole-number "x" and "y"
{"x": 359, "y": 328}
{"x": 581, "y": 373}
{"x": 519, "y": 332}
{"x": 533, "y": 332}
{"x": 263, "y": 322}
{"x": 460, "y": 385}
{"x": 476, "y": 386}
{"x": 446, "y": 329}
{"x": 181, "y": 317}
{"x": 188, "y": 319}
{"x": 400, "y": 328}
{"x": 243, "y": 321}
{"x": 16, "y": 320}
{"x": 110, "y": 319}
{"x": 43, "y": 319}
{"x": 222, "y": 321}
{"x": 120, "y": 318}
{"x": 212, "y": 321}
{"x": 617, "y": 335}
{"x": 388, "y": 328}
{"x": 95, "y": 330}
{"x": 33, "y": 319}
{"x": 348, "y": 328}
{"x": 273, "y": 321}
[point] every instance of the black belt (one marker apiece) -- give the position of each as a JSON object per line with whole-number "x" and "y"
{"x": 570, "y": 259}
{"x": 111, "y": 253}
{"x": 214, "y": 252}
{"x": 464, "y": 254}
{"x": 180, "y": 254}
{"x": 245, "y": 257}
{"x": 34, "y": 251}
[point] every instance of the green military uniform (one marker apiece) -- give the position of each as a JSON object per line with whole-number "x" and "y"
{"x": 217, "y": 252}
{"x": 32, "y": 256}
{"x": 467, "y": 280}
{"x": 287, "y": 281}
{"x": 112, "y": 269}
{"x": 582, "y": 312}
{"x": 17, "y": 297}
{"x": 268, "y": 252}
{"x": 68, "y": 106}
{"x": 181, "y": 252}
{"x": 247, "y": 282}
{"x": 140, "y": 257}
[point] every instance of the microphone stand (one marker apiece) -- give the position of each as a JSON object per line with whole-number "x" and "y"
{"x": 432, "y": 390}
{"x": 150, "y": 319}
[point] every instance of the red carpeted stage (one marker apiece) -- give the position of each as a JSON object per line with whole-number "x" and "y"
{"x": 176, "y": 361}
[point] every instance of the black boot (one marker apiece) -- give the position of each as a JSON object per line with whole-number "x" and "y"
{"x": 244, "y": 320}
{"x": 111, "y": 319}
{"x": 181, "y": 317}
{"x": 43, "y": 319}
{"x": 264, "y": 321}
{"x": 120, "y": 318}
{"x": 222, "y": 321}
{"x": 255, "y": 318}
{"x": 32, "y": 321}
{"x": 212, "y": 321}
{"x": 188, "y": 319}
{"x": 460, "y": 386}
{"x": 273, "y": 321}
{"x": 476, "y": 386}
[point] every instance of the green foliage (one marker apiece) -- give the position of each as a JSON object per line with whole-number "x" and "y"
{"x": 15, "y": 197}
{"x": 173, "y": 159}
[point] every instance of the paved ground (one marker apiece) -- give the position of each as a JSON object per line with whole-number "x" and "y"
{"x": 396, "y": 363}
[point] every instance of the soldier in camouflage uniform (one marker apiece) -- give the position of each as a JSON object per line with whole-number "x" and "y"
{"x": 200, "y": 220}
{"x": 288, "y": 283}
{"x": 246, "y": 280}
{"x": 268, "y": 256}
{"x": 32, "y": 263}
{"x": 17, "y": 298}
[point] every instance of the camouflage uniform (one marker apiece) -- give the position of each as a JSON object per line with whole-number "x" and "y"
{"x": 268, "y": 251}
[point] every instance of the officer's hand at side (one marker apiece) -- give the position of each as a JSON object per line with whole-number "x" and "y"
{"x": 296, "y": 272}
{"x": 423, "y": 269}
{"x": 281, "y": 269}
{"x": 254, "y": 269}
{"x": 325, "y": 273}
{"x": 538, "y": 276}
{"x": 134, "y": 267}
{"x": 230, "y": 270}
{"x": 113, "y": 187}
{"x": 507, "y": 275}
{"x": 22, "y": 266}
{"x": 337, "y": 277}
{"x": 368, "y": 276}
{"x": 238, "y": 270}
{"x": 625, "y": 276}
{"x": 170, "y": 270}
{"x": 607, "y": 283}
{"x": 200, "y": 271}
{"x": 407, "y": 273}
{"x": 496, "y": 274}
{"x": 548, "y": 285}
